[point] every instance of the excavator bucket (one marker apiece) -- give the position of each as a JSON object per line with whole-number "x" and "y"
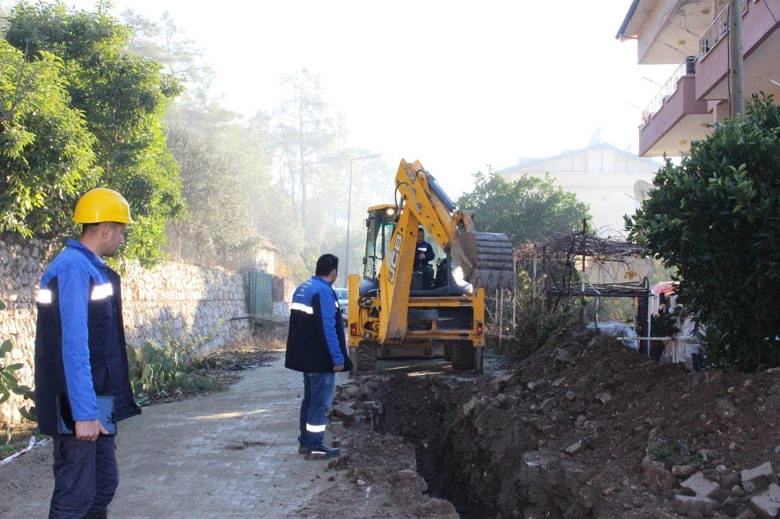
{"x": 486, "y": 258}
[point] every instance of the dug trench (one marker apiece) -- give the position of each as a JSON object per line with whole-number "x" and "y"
{"x": 584, "y": 428}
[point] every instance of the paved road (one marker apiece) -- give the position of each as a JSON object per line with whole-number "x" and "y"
{"x": 227, "y": 454}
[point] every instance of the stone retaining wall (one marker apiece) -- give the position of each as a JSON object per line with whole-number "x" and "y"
{"x": 204, "y": 308}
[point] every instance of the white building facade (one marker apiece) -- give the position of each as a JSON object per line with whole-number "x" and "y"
{"x": 611, "y": 181}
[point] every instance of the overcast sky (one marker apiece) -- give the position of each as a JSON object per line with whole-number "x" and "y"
{"x": 458, "y": 85}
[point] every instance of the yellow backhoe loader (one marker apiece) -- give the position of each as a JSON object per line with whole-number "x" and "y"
{"x": 391, "y": 312}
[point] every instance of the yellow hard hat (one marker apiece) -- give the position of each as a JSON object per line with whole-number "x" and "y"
{"x": 102, "y": 205}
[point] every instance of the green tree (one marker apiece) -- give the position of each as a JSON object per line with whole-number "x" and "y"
{"x": 528, "y": 209}
{"x": 715, "y": 218}
{"x": 123, "y": 97}
{"x": 45, "y": 147}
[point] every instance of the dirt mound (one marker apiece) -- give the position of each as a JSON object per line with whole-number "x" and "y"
{"x": 584, "y": 428}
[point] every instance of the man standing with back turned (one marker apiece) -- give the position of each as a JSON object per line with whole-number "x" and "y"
{"x": 316, "y": 346}
{"x": 81, "y": 355}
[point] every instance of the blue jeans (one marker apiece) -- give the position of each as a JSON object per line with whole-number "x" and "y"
{"x": 85, "y": 477}
{"x": 317, "y": 398}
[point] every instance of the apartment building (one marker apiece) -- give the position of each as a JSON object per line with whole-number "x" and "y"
{"x": 695, "y": 34}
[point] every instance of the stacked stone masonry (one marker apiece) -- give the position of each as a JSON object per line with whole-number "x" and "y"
{"x": 201, "y": 308}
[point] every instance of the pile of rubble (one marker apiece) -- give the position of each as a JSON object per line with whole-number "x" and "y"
{"x": 584, "y": 428}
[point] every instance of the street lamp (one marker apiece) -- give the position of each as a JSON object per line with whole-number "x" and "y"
{"x": 349, "y": 209}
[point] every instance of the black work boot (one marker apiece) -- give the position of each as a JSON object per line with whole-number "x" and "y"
{"x": 322, "y": 452}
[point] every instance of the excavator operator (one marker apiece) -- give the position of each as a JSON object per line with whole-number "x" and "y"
{"x": 423, "y": 256}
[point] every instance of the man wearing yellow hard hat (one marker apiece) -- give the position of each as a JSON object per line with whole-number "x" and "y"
{"x": 82, "y": 385}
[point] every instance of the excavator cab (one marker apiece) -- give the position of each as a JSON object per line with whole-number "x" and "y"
{"x": 380, "y": 225}
{"x": 447, "y": 277}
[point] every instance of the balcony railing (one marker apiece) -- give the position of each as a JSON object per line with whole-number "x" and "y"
{"x": 717, "y": 30}
{"x": 686, "y": 68}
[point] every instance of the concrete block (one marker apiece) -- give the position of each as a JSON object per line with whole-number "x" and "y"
{"x": 699, "y": 485}
{"x": 343, "y": 410}
{"x": 685, "y": 505}
{"x": 767, "y": 504}
{"x": 758, "y": 478}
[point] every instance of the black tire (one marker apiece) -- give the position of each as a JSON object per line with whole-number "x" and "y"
{"x": 462, "y": 355}
{"x": 448, "y": 351}
{"x": 366, "y": 356}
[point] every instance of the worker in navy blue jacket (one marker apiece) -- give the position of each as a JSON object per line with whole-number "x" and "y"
{"x": 422, "y": 259}
{"x": 316, "y": 346}
{"x": 81, "y": 354}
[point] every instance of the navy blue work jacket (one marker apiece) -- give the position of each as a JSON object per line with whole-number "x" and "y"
{"x": 80, "y": 348}
{"x": 315, "y": 340}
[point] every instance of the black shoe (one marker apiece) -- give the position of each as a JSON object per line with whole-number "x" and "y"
{"x": 322, "y": 452}
{"x": 302, "y": 449}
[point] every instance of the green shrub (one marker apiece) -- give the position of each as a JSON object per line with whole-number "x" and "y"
{"x": 714, "y": 219}
{"x": 664, "y": 450}
{"x": 534, "y": 328}
{"x": 9, "y": 384}
{"x": 160, "y": 370}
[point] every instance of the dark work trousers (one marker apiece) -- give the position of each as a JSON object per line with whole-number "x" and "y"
{"x": 85, "y": 477}
{"x": 317, "y": 398}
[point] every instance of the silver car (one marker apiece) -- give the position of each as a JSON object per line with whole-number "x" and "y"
{"x": 342, "y": 294}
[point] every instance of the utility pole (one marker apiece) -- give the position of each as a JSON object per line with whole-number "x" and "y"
{"x": 736, "y": 71}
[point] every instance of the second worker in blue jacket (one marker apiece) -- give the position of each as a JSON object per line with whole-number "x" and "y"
{"x": 317, "y": 347}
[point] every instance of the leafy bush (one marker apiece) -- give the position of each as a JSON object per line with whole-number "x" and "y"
{"x": 664, "y": 324}
{"x": 715, "y": 219}
{"x": 534, "y": 328}
{"x": 664, "y": 450}
{"x": 9, "y": 383}
{"x": 160, "y": 370}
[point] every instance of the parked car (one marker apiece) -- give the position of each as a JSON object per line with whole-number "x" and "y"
{"x": 343, "y": 296}
{"x": 623, "y": 331}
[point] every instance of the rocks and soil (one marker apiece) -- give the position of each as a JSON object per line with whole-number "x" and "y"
{"x": 583, "y": 428}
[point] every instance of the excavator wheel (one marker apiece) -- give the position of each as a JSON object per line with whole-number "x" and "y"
{"x": 462, "y": 355}
{"x": 448, "y": 347}
{"x": 366, "y": 356}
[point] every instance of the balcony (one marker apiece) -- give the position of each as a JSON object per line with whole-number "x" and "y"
{"x": 760, "y": 48}
{"x": 675, "y": 116}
